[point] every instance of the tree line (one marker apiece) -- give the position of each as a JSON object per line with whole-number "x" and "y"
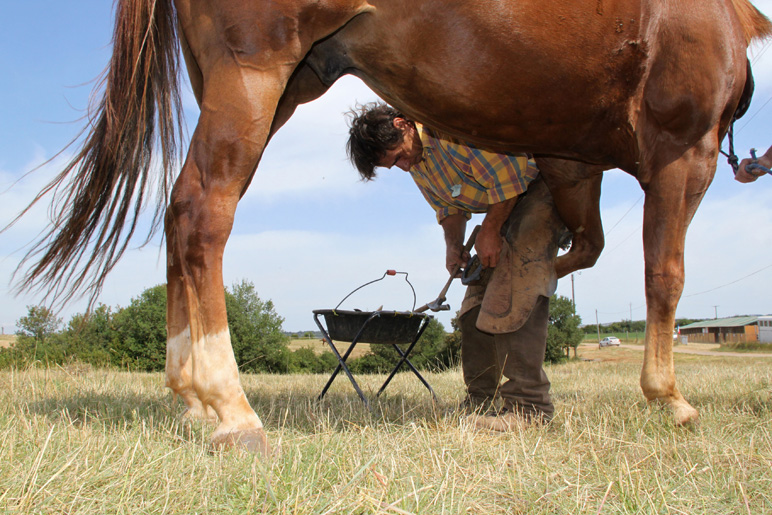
{"x": 631, "y": 326}
{"x": 134, "y": 338}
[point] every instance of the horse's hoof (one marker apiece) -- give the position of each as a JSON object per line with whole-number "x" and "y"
{"x": 252, "y": 440}
{"x": 685, "y": 415}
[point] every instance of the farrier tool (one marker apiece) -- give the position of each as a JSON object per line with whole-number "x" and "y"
{"x": 437, "y": 304}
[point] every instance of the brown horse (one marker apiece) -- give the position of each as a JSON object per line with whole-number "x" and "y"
{"x": 643, "y": 85}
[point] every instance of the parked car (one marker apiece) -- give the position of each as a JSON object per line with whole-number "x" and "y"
{"x": 609, "y": 341}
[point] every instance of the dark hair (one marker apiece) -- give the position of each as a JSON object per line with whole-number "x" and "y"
{"x": 371, "y": 134}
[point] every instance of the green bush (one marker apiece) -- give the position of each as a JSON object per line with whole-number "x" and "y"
{"x": 305, "y": 360}
{"x": 140, "y": 339}
{"x": 134, "y": 337}
{"x": 38, "y": 339}
{"x": 258, "y": 341}
{"x": 563, "y": 331}
{"x": 92, "y": 338}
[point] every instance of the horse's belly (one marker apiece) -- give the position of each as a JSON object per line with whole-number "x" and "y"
{"x": 502, "y": 77}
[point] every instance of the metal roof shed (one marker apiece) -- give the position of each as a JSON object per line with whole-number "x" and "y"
{"x": 723, "y": 330}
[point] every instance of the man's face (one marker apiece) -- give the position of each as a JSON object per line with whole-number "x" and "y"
{"x": 406, "y": 154}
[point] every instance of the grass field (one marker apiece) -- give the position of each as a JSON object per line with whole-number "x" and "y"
{"x": 79, "y": 440}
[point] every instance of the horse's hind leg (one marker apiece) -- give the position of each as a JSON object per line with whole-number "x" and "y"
{"x": 179, "y": 360}
{"x": 575, "y": 188}
{"x": 673, "y": 193}
{"x": 237, "y": 111}
{"x": 224, "y": 152}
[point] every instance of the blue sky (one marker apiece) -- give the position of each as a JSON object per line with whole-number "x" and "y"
{"x": 308, "y": 231}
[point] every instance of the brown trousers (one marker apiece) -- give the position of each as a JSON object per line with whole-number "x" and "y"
{"x": 504, "y": 318}
{"x": 517, "y": 357}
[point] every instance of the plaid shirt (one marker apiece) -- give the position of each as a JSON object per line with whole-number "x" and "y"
{"x": 457, "y": 177}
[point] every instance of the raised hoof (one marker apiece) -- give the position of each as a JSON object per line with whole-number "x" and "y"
{"x": 252, "y": 440}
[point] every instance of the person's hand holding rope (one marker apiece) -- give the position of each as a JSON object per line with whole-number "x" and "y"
{"x": 752, "y": 168}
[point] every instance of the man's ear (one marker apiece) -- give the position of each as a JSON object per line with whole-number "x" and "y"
{"x": 400, "y": 123}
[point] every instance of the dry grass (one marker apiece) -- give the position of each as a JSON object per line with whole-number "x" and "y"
{"x": 88, "y": 441}
{"x": 6, "y": 340}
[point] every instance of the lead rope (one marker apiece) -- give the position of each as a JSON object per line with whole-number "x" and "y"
{"x": 731, "y": 157}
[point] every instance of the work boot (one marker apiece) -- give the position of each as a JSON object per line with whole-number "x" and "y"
{"x": 476, "y": 405}
{"x": 508, "y": 420}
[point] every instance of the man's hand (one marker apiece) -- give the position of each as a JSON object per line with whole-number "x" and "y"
{"x": 489, "y": 240}
{"x": 456, "y": 258}
{"x": 454, "y": 227}
{"x": 744, "y": 176}
{"x": 488, "y": 245}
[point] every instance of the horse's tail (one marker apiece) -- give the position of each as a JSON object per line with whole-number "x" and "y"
{"x": 755, "y": 25}
{"x": 98, "y": 197}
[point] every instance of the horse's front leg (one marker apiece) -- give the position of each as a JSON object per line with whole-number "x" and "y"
{"x": 673, "y": 193}
{"x": 575, "y": 188}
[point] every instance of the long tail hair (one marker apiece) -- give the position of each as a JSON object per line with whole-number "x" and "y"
{"x": 755, "y": 25}
{"x": 98, "y": 197}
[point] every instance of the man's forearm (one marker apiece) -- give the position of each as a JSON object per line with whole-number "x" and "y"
{"x": 766, "y": 159}
{"x": 454, "y": 227}
{"x": 497, "y": 214}
{"x": 489, "y": 239}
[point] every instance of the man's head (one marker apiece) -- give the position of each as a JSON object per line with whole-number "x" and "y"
{"x": 379, "y": 135}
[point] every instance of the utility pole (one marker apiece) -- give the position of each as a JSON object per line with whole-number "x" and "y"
{"x": 597, "y": 325}
{"x": 715, "y": 312}
{"x": 573, "y": 302}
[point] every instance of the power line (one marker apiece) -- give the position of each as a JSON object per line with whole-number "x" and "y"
{"x": 608, "y": 251}
{"x": 757, "y": 57}
{"x": 636, "y": 308}
{"x": 729, "y": 283}
{"x": 754, "y": 115}
{"x": 635, "y": 231}
{"x": 624, "y": 215}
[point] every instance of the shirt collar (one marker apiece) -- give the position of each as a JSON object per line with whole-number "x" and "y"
{"x": 427, "y": 140}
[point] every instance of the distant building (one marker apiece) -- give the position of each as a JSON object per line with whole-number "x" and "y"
{"x": 765, "y": 329}
{"x": 730, "y": 330}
